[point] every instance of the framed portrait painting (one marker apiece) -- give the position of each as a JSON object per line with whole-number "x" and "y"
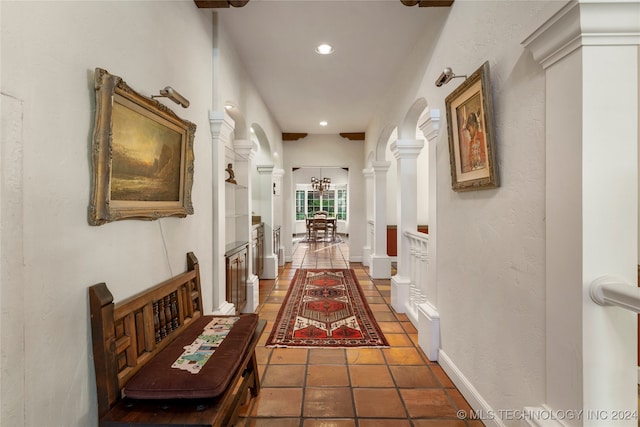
{"x": 472, "y": 149}
{"x": 142, "y": 156}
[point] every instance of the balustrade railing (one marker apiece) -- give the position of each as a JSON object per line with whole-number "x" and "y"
{"x": 419, "y": 267}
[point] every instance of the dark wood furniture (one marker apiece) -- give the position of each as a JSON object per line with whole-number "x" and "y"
{"x": 129, "y": 334}
{"x": 323, "y": 224}
{"x": 257, "y": 248}
{"x": 237, "y": 272}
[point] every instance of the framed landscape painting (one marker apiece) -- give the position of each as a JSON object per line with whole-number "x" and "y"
{"x": 142, "y": 156}
{"x": 472, "y": 149}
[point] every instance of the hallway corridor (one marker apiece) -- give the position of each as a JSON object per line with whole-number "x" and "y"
{"x": 391, "y": 387}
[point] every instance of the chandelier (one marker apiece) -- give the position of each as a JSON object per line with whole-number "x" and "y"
{"x": 320, "y": 184}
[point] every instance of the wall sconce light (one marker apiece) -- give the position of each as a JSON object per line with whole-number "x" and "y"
{"x": 172, "y": 94}
{"x": 446, "y": 76}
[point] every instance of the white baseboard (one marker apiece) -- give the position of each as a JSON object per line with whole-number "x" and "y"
{"x": 529, "y": 416}
{"x": 473, "y": 397}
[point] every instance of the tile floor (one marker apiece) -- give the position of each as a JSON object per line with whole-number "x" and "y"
{"x": 390, "y": 387}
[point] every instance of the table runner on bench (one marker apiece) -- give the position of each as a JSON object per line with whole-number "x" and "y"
{"x": 158, "y": 380}
{"x": 198, "y": 353}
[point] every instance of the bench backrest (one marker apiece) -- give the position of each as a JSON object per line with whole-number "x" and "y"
{"x": 127, "y": 334}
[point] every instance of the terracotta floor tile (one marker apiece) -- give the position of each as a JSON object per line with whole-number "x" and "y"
{"x": 328, "y": 402}
{"x": 278, "y": 402}
{"x": 262, "y": 355}
{"x": 289, "y": 356}
{"x": 409, "y": 328}
{"x": 402, "y": 356}
{"x": 364, "y": 356}
{"x": 375, "y": 299}
{"x": 365, "y": 422}
{"x": 414, "y": 377}
{"x": 370, "y": 376}
{"x": 458, "y": 399}
{"x": 327, "y": 375}
{"x": 378, "y": 403}
{"x": 440, "y": 423}
{"x": 441, "y": 375}
{"x": 384, "y": 316}
{"x": 273, "y": 422}
{"x": 327, "y": 356}
{"x": 391, "y": 327}
{"x": 427, "y": 403}
{"x": 329, "y": 423}
{"x": 380, "y": 307}
{"x": 284, "y": 376}
{"x": 398, "y": 340}
{"x": 327, "y": 387}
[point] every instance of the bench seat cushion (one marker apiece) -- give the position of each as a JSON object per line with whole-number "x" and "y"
{"x": 158, "y": 380}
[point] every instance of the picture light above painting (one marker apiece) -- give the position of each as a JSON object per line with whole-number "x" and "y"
{"x": 142, "y": 156}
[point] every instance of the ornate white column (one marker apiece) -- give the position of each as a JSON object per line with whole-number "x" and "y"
{"x": 245, "y": 150}
{"x": 589, "y": 51}
{"x": 406, "y": 152}
{"x": 380, "y": 262}
{"x": 267, "y": 190}
{"x": 368, "y": 191}
{"x": 428, "y": 315}
{"x": 221, "y": 128}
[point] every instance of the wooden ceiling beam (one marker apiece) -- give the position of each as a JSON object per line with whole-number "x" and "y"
{"x": 287, "y": 136}
{"x": 353, "y": 136}
{"x": 216, "y": 4}
{"x": 428, "y": 3}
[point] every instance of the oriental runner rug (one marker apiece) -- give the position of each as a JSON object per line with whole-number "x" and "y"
{"x": 325, "y": 308}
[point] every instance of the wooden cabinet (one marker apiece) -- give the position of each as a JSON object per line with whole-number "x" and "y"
{"x": 237, "y": 259}
{"x": 257, "y": 248}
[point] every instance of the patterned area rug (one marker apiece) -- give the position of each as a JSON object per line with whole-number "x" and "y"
{"x": 325, "y": 308}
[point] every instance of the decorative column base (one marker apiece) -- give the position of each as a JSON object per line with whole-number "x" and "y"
{"x": 253, "y": 294}
{"x": 225, "y": 309}
{"x": 429, "y": 330}
{"x": 366, "y": 256}
{"x": 380, "y": 267}
{"x": 400, "y": 292}
{"x": 270, "y": 270}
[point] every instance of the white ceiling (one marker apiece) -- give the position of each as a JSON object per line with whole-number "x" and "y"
{"x": 276, "y": 39}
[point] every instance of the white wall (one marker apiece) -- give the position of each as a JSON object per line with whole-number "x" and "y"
{"x": 490, "y": 248}
{"x": 335, "y": 152}
{"x": 49, "y": 53}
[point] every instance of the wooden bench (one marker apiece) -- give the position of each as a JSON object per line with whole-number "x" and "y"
{"x": 129, "y": 334}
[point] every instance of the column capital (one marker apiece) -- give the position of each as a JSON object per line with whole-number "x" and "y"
{"x": 407, "y": 148}
{"x": 380, "y": 166}
{"x": 221, "y": 125}
{"x": 584, "y": 23}
{"x": 368, "y": 173}
{"x": 265, "y": 169}
{"x": 278, "y": 172}
{"x": 430, "y": 125}
{"x": 245, "y": 148}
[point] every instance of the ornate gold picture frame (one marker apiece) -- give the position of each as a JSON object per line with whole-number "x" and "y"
{"x": 142, "y": 156}
{"x": 472, "y": 148}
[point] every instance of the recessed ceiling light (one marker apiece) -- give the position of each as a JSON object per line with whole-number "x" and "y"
{"x": 324, "y": 49}
{"x": 323, "y": 123}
